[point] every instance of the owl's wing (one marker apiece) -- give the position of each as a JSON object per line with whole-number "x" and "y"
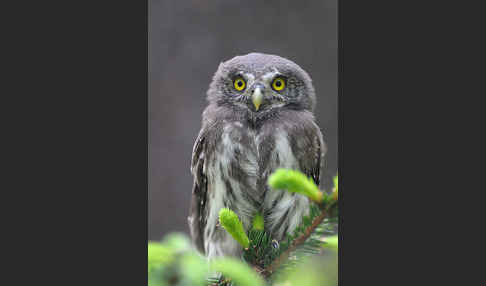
{"x": 196, "y": 218}
{"x": 312, "y": 163}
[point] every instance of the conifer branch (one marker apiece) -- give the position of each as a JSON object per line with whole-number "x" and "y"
{"x": 295, "y": 243}
{"x": 296, "y": 182}
{"x": 265, "y": 257}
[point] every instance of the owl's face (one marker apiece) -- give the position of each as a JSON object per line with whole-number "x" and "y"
{"x": 260, "y": 83}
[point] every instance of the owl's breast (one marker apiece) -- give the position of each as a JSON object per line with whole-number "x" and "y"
{"x": 238, "y": 154}
{"x": 233, "y": 171}
{"x": 246, "y": 157}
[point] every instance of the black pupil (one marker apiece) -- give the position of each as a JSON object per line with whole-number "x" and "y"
{"x": 278, "y": 83}
{"x": 240, "y": 83}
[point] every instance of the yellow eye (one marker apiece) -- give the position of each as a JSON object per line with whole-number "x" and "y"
{"x": 278, "y": 84}
{"x": 239, "y": 84}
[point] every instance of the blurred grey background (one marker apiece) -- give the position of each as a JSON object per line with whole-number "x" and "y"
{"x": 187, "y": 41}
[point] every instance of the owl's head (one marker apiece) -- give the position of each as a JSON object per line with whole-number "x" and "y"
{"x": 261, "y": 83}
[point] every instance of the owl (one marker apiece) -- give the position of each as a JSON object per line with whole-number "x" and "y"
{"x": 259, "y": 118}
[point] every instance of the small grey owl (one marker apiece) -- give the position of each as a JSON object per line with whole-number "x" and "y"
{"x": 259, "y": 118}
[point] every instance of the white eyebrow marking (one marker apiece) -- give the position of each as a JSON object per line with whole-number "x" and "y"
{"x": 270, "y": 75}
{"x": 251, "y": 78}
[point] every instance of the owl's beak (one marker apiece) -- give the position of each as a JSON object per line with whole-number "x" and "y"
{"x": 257, "y": 97}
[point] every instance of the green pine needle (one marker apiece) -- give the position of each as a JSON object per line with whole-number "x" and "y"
{"x": 336, "y": 182}
{"x": 258, "y": 222}
{"x": 158, "y": 255}
{"x": 232, "y": 224}
{"x": 295, "y": 182}
{"x": 331, "y": 242}
{"x": 334, "y": 195}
